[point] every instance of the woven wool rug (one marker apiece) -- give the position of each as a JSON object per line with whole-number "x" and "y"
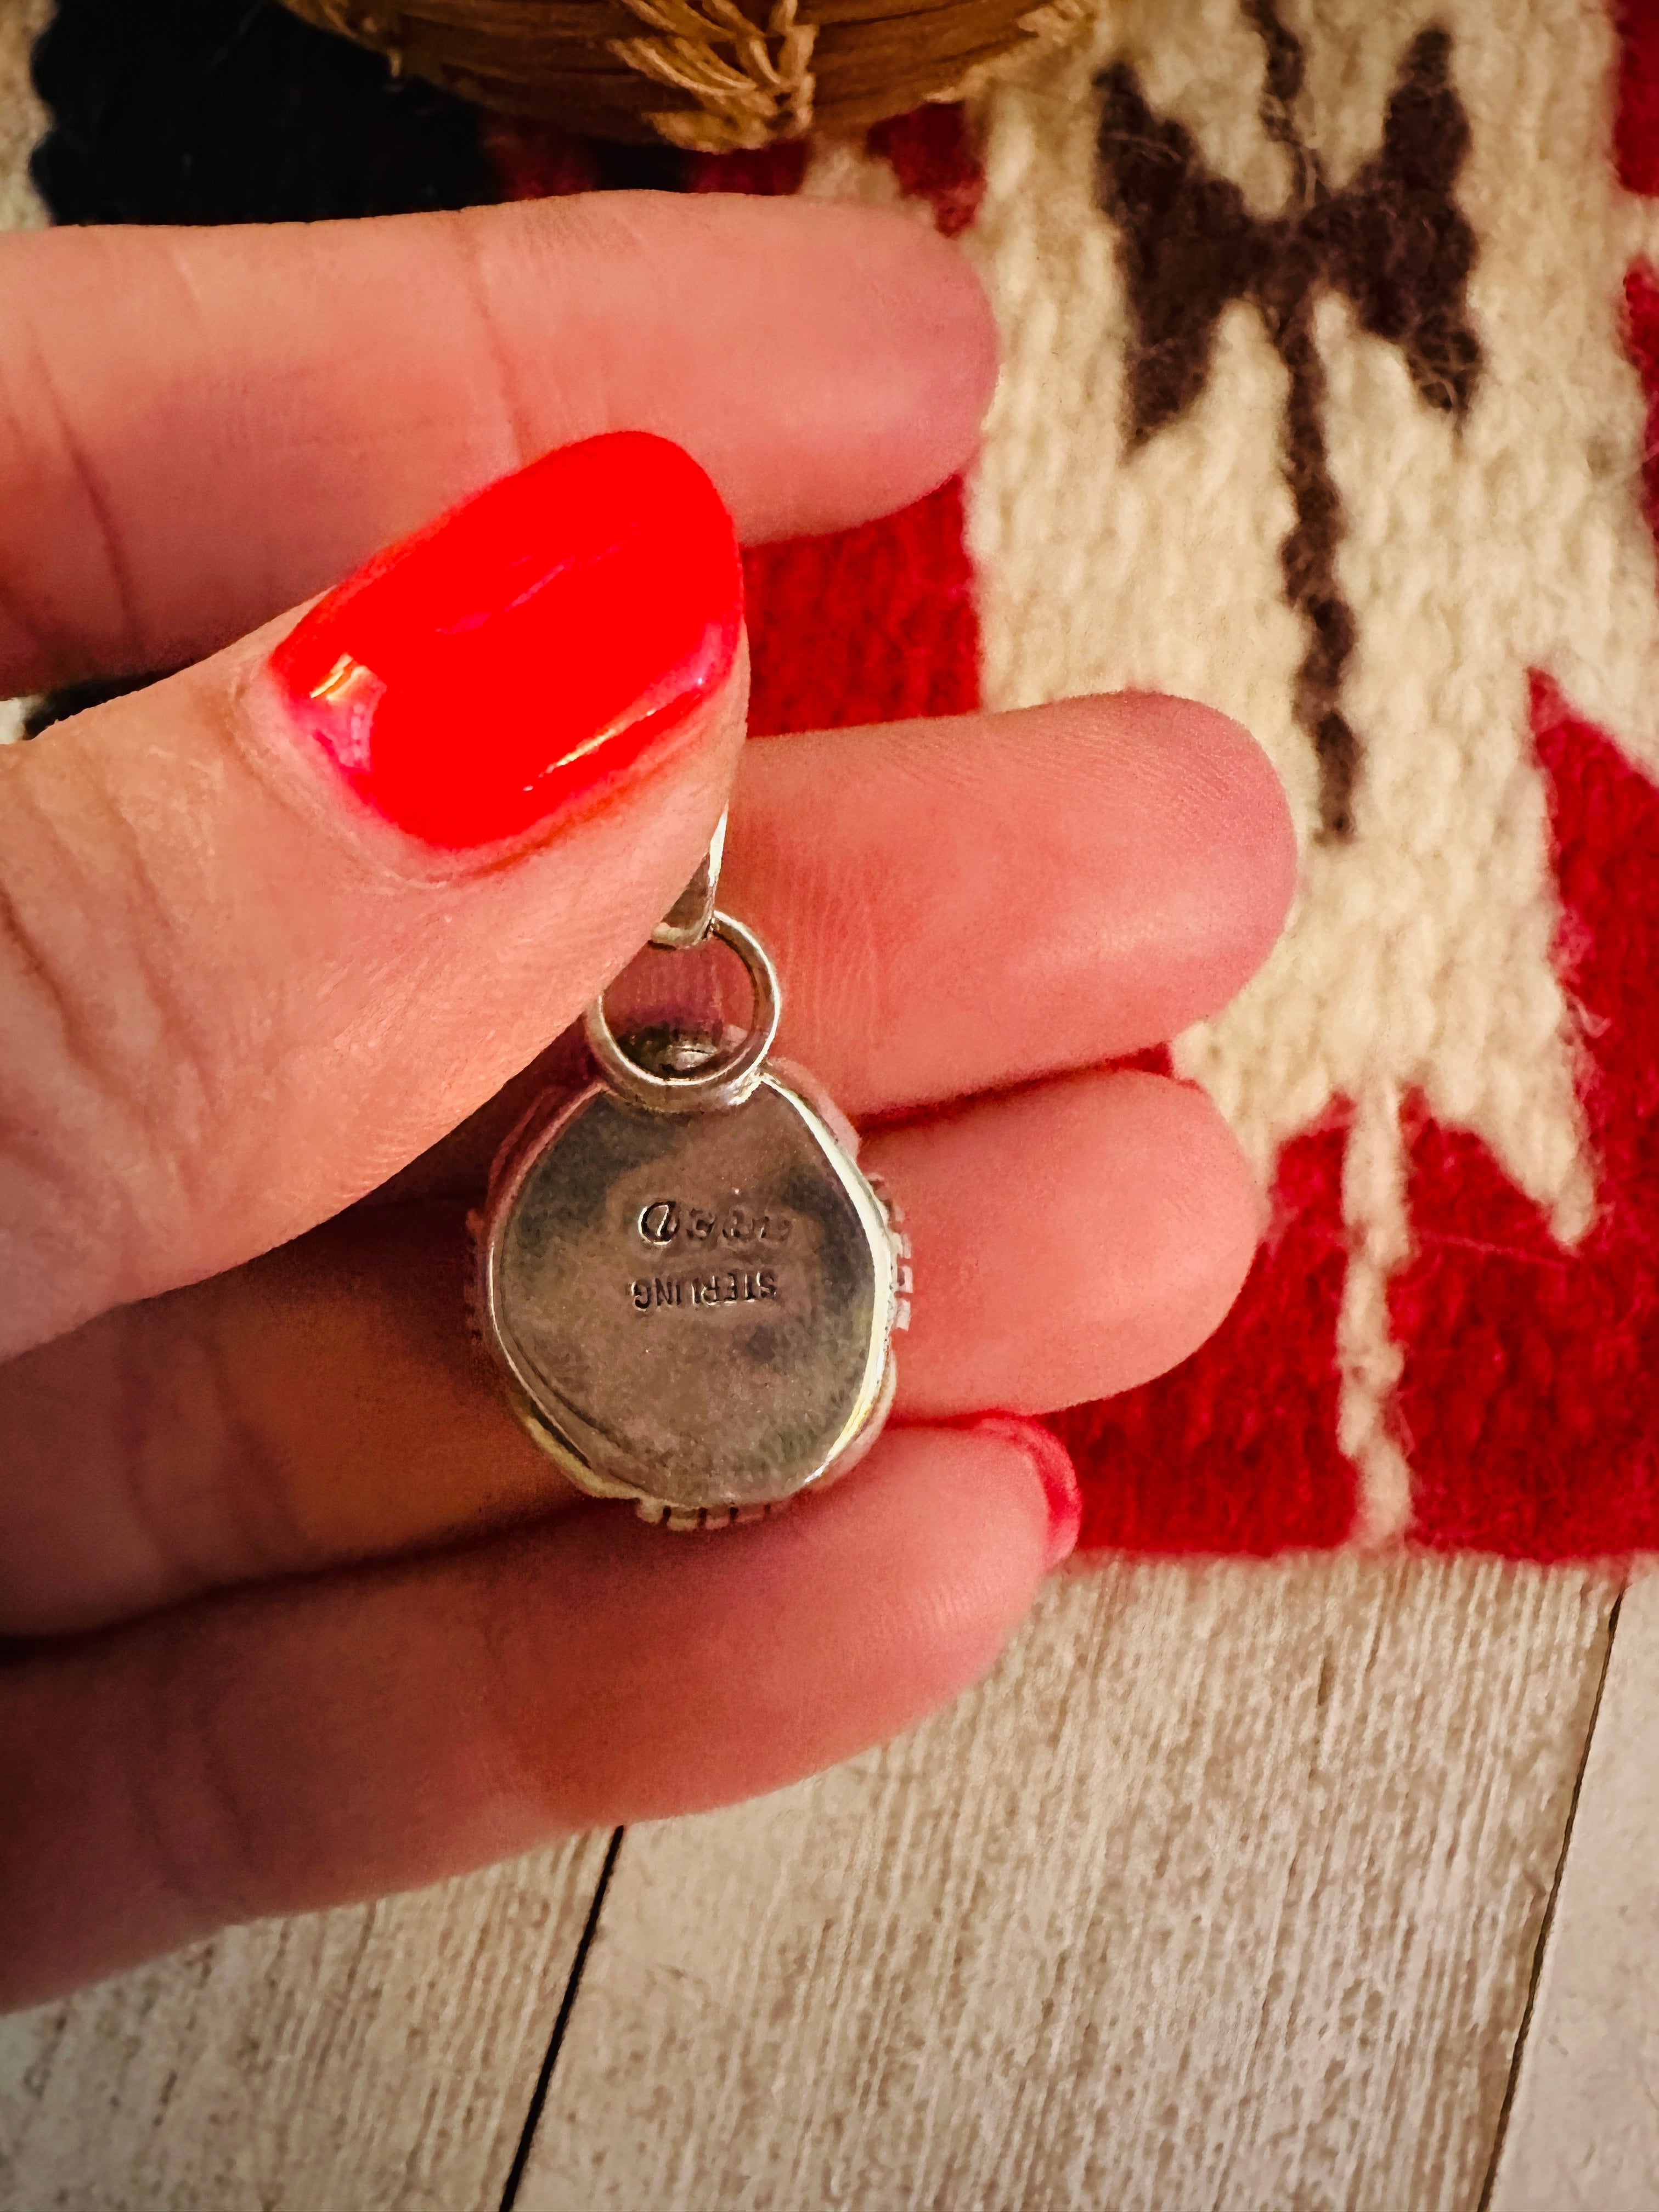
{"x": 1331, "y": 339}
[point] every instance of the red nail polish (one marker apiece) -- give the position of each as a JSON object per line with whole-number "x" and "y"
{"x": 523, "y": 652}
{"x": 1061, "y": 1491}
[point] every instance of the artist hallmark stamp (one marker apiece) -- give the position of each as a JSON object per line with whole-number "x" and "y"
{"x": 666, "y": 1219}
{"x": 735, "y": 1226}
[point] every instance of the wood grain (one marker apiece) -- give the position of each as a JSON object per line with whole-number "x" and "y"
{"x": 1224, "y": 1892}
{"x": 1583, "y": 2135}
{"x": 378, "y": 2059}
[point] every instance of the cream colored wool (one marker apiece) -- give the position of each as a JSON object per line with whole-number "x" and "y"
{"x": 1419, "y": 956}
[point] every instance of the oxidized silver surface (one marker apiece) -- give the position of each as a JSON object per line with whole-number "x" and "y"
{"x": 694, "y": 1309}
{"x": 690, "y": 1286}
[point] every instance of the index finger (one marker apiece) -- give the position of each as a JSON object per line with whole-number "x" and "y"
{"x": 199, "y": 428}
{"x": 427, "y": 820}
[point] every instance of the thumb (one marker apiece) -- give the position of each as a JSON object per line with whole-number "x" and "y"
{"x": 271, "y": 928}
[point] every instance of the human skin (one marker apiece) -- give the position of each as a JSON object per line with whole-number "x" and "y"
{"x": 297, "y": 1613}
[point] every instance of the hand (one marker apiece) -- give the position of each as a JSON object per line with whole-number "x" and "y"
{"x": 299, "y": 1614}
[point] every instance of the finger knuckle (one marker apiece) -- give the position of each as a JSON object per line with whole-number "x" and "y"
{"x": 96, "y": 1043}
{"x": 202, "y": 1828}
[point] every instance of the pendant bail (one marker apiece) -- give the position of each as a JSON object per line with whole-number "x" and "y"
{"x": 690, "y": 917}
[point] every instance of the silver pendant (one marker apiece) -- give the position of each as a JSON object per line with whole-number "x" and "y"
{"x": 689, "y": 1284}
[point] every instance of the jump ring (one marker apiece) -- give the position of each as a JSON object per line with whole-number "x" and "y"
{"x": 724, "y": 1081}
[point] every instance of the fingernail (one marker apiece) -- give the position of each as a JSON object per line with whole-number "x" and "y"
{"x": 519, "y": 655}
{"x": 1054, "y": 1470}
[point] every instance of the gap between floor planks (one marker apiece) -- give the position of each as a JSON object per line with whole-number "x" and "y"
{"x": 382, "y": 2056}
{"x": 1582, "y": 2133}
{"x": 1223, "y": 1890}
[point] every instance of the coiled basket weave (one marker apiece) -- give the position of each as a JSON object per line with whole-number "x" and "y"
{"x": 709, "y": 75}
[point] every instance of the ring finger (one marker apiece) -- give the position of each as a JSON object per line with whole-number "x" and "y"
{"x": 325, "y": 1405}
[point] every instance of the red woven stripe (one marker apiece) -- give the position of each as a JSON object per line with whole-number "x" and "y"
{"x": 1236, "y": 1450}
{"x": 1636, "y": 131}
{"x": 867, "y": 626}
{"x": 933, "y": 154}
{"x": 1531, "y": 1398}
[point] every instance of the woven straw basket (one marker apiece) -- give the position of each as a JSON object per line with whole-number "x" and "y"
{"x": 708, "y": 75}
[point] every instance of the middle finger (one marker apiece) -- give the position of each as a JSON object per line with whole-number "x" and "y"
{"x": 960, "y": 905}
{"x": 325, "y": 1405}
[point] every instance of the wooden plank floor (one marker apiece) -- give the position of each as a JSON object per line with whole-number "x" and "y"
{"x": 1223, "y": 1891}
{"x": 339, "y": 2061}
